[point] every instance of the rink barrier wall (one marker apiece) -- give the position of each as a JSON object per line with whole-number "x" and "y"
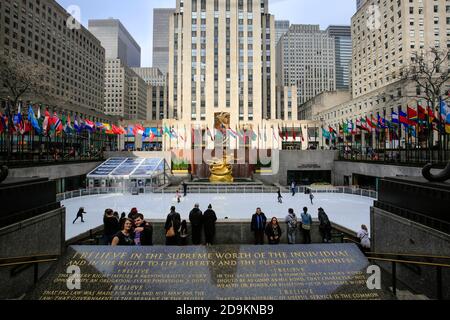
{"x": 218, "y": 190}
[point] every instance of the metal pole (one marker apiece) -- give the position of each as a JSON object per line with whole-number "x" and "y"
{"x": 439, "y": 282}
{"x": 394, "y": 278}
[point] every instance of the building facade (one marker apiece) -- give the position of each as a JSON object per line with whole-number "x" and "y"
{"x": 281, "y": 27}
{"x": 74, "y": 59}
{"x": 287, "y": 103}
{"x": 343, "y": 51}
{"x": 117, "y": 41}
{"x": 156, "y": 93}
{"x": 381, "y": 51}
{"x": 117, "y": 88}
{"x": 222, "y": 61}
{"x": 161, "y": 17}
{"x": 138, "y": 98}
{"x": 306, "y": 59}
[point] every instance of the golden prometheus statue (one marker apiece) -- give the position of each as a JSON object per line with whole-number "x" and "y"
{"x": 221, "y": 170}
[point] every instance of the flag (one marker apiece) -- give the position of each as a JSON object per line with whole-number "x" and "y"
{"x": 412, "y": 115}
{"x": 146, "y": 133}
{"x": 210, "y": 134}
{"x": 364, "y": 125}
{"x": 403, "y": 118}
{"x": 232, "y": 133}
{"x": 431, "y": 114}
{"x": 294, "y": 135}
{"x": 32, "y": 119}
{"x": 395, "y": 118}
{"x": 57, "y": 124}
{"x": 138, "y": 130}
{"x": 422, "y": 113}
{"x": 326, "y": 134}
{"x": 46, "y": 124}
{"x": 444, "y": 110}
{"x": 18, "y": 121}
{"x": 89, "y": 125}
{"x": 274, "y": 134}
{"x": 370, "y": 124}
{"x": 332, "y": 132}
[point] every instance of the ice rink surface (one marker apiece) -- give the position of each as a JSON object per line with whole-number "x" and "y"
{"x": 349, "y": 211}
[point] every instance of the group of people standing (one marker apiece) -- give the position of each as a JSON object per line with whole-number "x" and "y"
{"x": 126, "y": 231}
{"x": 273, "y": 231}
{"x": 176, "y": 230}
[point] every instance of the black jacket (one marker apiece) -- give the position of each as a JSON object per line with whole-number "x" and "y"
{"x": 111, "y": 225}
{"x": 324, "y": 221}
{"x": 209, "y": 219}
{"x": 176, "y": 218}
{"x": 270, "y": 232}
{"x": 196, "y": 217}
{"x": 147, "y": 234}
{"x": 254, "y": 226}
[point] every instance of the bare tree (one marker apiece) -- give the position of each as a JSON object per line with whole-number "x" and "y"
{"x": 22, "y": 78}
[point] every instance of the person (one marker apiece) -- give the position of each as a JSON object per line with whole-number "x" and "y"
{"x": 292, "y": 224}
{"x": 116, "y": 215}
{"x": 311, "y": 197}
{"x": 143, "y": 231}
{"x": 184, "y": 189}
{"x": 209, "y": 225}
{"x": 196, "y": 217}
{"x": 133, "y": 214}
{"x": 178, "y": 196}
{"x": 324, "y": 226}
{"x": 173, "y": 221}
{"x": 111, "y": 226}
{"x": 184, "y": 233}
{"x": 363, "y": 236}
{"x": 280, "y": 197}
{"x": 80, "y": 215}
{"x": 306, "y": 226}
{"x": 293, "y": 186}
{"x": 126, "y": 236}
{"x": 273, "y": 232}
{"x": 122, "y": 219}
{"x": 258, "y": 226}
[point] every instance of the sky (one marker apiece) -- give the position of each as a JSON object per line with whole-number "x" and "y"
{"x": 137, "y": 15}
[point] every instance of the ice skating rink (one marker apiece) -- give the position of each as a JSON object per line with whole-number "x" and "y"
{"x": 349, "y": 211}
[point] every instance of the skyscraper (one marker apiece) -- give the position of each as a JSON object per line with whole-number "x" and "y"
{"x": 161, "y": 19}
{"x": 117, "y": 41}
{"x": 343, "y": 46}
{"x": 281, "y": 27}
{"x": 222, "y": 61}
{"x": 306, "y": 59}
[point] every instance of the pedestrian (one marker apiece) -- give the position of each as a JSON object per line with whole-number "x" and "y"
{"x": 209, "y": 225}
{"x": 133, "y": 214}
{"x": 110, "y": 226}
{"x": 258, "y": 226}
{"x": 126, "y": 236}
{"x": 311, "y": 197}
{"x": 280, "y": 197}
{"x": 292, "y": 224}
{"x": 172, "y": 227}
{"x": 178, "y": 196}
{"x": 273, "y": 232}
{"x": 306, "y": 226}
{"x": 293, "y": 187}
{"x": 143, "y": 231}
{"x": 196, "y": 219}
{"x": 116, "y": 215}
{"x": 184, "y": 233}
{"x": 122, "y": 219}
{"x": 363, "y": 236}
{"x": 325, "y": 226}
{"x": 184, "y": 189}
{"x": 80, "y": 215}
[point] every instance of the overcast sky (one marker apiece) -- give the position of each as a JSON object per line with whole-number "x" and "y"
{"x": 137, "y": 15}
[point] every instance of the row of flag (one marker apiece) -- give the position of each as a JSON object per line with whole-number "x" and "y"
{"x": 46, "y": 123}
{"x": 412, "y": 120}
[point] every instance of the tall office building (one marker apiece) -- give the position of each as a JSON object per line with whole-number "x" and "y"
{"x": 74, "y": 59}
{"x": 306, "y": 59}
{"x": 156, "y": 92}
{"x": 281, "y": 27}
{"x": 222, "y": 61}
{"x": 125, "y": 92}
{"x": 343, "y": 51}
{"x": 161, "y": 19}
{"x": 117, "y": 41}
{"x": 359, "y": 4}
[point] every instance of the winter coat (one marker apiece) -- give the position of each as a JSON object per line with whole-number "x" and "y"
{"x": 176, "y": 219}
{"x": 209, "y": 221}
{"x": 254, "y": 224}
{"x": 196, "y": 217}
{"x": 292, "y": 221}
{"x": 272, "y": 232}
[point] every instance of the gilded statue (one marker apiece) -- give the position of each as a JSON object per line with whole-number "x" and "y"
{"x": 221, "y": 170}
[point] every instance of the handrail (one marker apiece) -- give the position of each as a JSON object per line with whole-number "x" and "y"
{"x": 352, "y": 241}
{"x": 409, "y": 255}
{"x": 30, "y": 257}
{"x": 21, "y": 264}
{"x": 27, "y": 262}
{"x": 428, "y": 264}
